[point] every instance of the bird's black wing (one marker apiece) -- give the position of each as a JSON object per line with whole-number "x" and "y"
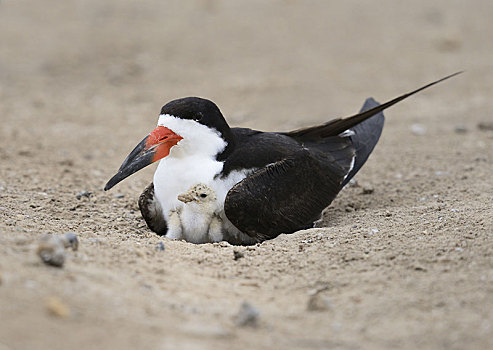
{"x": 151, "y": 211}
{"x": 284, "y": 196}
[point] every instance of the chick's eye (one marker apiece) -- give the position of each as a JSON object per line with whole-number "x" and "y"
{"x": 203, "y": 195}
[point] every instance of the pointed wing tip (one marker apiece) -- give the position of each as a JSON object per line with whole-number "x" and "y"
{"x": 449, "y": 76}
{"x": 457, "y": 73}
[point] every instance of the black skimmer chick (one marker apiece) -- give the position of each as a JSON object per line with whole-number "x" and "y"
{"x": 198, "y": 220}
{"x": 265, "y": 183}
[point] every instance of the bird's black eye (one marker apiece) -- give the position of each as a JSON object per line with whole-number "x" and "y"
{"x": 203, "y": 195}
{"x": 198, "y": 116}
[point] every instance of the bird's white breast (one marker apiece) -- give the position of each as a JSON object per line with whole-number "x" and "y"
{"x": 175, "y": 176}
{"x": 193, "y": 161}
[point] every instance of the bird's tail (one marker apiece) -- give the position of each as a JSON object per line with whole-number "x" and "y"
{"x": 349, "y": 141}
{"x": 337, "y": 126}
{"x": 364, "y": 137}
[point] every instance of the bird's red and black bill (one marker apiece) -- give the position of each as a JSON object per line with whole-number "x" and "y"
{"x": 152, "y": 148}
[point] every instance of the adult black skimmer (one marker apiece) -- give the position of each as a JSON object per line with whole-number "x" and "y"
{"x": 266, "y": 183}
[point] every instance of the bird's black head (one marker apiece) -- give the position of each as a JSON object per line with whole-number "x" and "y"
{"x": 199, "y": 109}
{"x": 203, "y": 111}
{"x": 158, "y": 143}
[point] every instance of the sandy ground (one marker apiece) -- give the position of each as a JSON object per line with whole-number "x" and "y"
{"x": 409, "y": 265}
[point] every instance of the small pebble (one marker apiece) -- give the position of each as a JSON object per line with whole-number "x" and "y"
{"x": 238, "y": 254}
{"x": 70, "y": 240}
{"x": 367, "y": 190}
{"x": 81, "y": 194}
{"x": 67, "y": 162}
{"x": 160, "y": 271}
{"x": 160, "y": 246}
{"x": 318, "y": 302}
{"x": 51, "y": 250}
{"x": 418, "y": 129}
{"x": 460, "y": 129}
{"x": 485, "y": 126}
{"x": 57, "y": 307}
{"x": 247, "y": 316}
{"x": 118, "y": 195}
